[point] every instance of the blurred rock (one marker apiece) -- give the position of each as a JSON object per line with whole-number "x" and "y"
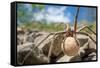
{"x": 30, "y": 42}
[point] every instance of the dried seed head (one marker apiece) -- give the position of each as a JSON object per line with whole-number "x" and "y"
{"x": 70, "y": 46}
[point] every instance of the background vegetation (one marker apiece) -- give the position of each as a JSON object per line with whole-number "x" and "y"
{"x": 24, "y": 20}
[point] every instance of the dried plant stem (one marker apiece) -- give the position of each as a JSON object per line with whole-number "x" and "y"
{"x": 75, "y": 22}
{"x": 51, "y": 47}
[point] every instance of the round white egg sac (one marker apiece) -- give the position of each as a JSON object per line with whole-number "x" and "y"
{"x": 70, "y": 46}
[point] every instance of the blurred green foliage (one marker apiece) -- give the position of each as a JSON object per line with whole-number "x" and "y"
{"x": 54, "y": 27}
{"x": 24, "y": 14}
{"x": 49, "y": 27}
{"x": 92, "y": 27}
{"x": 37, "y": 6}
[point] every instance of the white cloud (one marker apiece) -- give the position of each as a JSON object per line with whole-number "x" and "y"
{"x": 53, "y": 14}
{"x": 56, "y": 14}
{"x": 55, "y": 10}
{"x": 39, "y": 16}
{"x": 57, "y": 18}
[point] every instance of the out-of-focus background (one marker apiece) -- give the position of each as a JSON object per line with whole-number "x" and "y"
{"x": 53, "y": 18}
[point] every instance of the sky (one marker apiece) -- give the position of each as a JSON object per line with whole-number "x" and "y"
{"x": 57, "y": 13}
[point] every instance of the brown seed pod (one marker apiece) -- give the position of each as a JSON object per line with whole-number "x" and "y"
{"x": 70, "y": 46}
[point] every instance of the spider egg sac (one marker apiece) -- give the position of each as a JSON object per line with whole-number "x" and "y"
{"x": 70, "y": 46}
